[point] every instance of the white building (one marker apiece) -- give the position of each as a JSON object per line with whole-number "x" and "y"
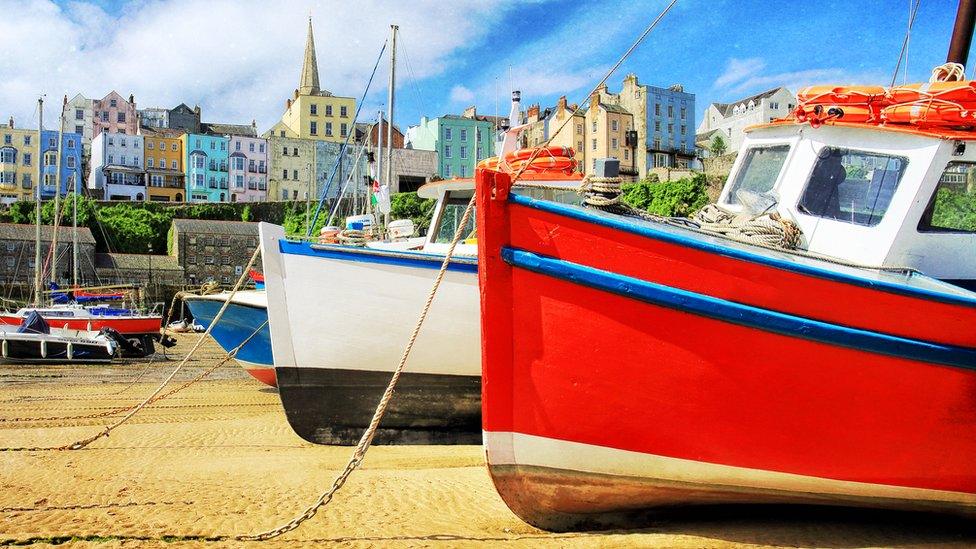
{"x": 732, "y": 118}
{"x": 78, "y": 115}
{"x": 117, "y": 171}
{"x": 154, "y": 117}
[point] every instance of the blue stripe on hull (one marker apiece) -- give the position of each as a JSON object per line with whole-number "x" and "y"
{"x": 744, "y": 315}
{"x": 238, "y": 322}
{"x": 381, "y": 257}
{"x": 779, "y": 261}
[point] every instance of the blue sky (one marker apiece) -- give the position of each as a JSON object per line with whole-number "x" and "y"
{"x": 240, "y": 59}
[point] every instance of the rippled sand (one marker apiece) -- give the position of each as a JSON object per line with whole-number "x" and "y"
{"x": 220, "y": 459}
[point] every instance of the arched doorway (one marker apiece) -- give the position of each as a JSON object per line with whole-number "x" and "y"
{"x": 222, "y": 197}
{"x": 179, "y": 197}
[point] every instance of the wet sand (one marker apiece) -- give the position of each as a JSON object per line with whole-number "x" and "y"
{"x": 220, "y": 459}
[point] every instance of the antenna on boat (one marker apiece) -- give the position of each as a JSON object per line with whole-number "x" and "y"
{"x": 962, "y": 34}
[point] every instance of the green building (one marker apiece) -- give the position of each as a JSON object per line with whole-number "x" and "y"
{"x": 460, "y": 141}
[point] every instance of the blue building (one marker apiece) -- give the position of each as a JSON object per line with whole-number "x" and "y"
{"x": 671, "y": 127}
{"x": 206, "y": 167}
{"x": 70, "y": 164}
{"x": 460, "y": 141}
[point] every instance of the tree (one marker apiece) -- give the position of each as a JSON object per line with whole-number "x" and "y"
{"x": 718, "y": 145}
{"x": 410, "y": 206}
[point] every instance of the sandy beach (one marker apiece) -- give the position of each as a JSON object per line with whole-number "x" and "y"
{"x": 220, "y": 459}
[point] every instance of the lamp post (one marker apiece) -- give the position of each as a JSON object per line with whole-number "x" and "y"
{"x": 631, "y": 141}
{"x": 149, "y": 278}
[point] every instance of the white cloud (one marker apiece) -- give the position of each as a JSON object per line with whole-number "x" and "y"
{"x": 461, "y": 94}
{"x": 744, "y": 76}
{"x": 738, "y": 70}
{"x": 238, "y": 59}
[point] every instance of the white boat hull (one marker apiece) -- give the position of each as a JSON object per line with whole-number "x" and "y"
{"x": 340, "y": 318}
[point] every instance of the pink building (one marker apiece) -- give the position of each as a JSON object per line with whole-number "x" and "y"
{"x": 113, "y": 114}
{"x": 248, "y": 168}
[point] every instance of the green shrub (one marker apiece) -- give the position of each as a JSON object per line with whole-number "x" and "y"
{"x": 678, "y": 198}
{"x": 410, "y": 206}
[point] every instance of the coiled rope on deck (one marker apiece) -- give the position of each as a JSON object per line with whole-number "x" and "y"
{"x": 768, "y": 229}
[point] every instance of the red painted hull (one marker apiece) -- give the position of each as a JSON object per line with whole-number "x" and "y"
{"x": 124, "y": 325}
{"x": 597, "y": 404}
{"x": 264, "y": 375}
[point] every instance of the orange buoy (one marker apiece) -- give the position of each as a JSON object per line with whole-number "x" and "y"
{"x": 555, "y": 161}
{"x": 963, "y": 92}
{"x": 825, "y": 95}
{"x": 853, "y": 112}
{"x": 929, "y": 113}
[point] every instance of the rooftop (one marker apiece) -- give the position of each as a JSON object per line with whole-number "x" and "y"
{"x": 137, "y": 261}
{"x": 245, "y": 228}
{"x": 245, "y": 130}
{"x": 726, "y": 108}
{"x": 25, "y": 231}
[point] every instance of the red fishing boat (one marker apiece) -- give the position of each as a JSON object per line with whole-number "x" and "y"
{"x": 632, "y": 364}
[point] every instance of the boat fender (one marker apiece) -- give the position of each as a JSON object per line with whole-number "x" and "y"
{"x": 4, "y": 348}
{"x": 71, "y": 350}
{"x": 43, "y": 349}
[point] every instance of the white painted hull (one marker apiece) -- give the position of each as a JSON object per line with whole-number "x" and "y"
{"x": 340, "y": 319}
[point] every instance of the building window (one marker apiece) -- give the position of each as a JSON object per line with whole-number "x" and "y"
{"x": 626, "y": 154}
{"x": 447, "y": 151}
{"x": 27, "y": 159}
{"x": 284, "y": 151}
{"x": 670, "y": 111}
{"x": 579, "y": 129}
{"x": 261, "y": 147}
{"x": 192, "y": 259}
{"x": 594, "y": 125}
{"x": 313, "y": 128}
{"x": 213, "y": 145}
{"x": 447, "y": 171}
{"x": 448, "y": 134}
{"x": 342, "y": 111}
{"x": 239, "y": 182}
{"x": 657, "y": 109}
{"x": 328, "y": 129}
{"x": 79, "y": 129}
{"x": 684, "y": 112}
{"x": 670, "y": 129}
{"x": 613, "y": 125}
{"x": 464, "y": 171}
{"x": 121, "y": 118}
{"x": 110, "y": 159}
{"x": 79, "y": 114}
{"x": 70, "y": 162}
{"x": 237, "y": 145}
{"x": 112, "y": 103}
{"x": 464, "y": 135}
{"x": 223, "y": 146}
{"x": 199, "y": 180}
{"x": 149, "y": 162}
{"x": 294, "y": 175}
{"x": 313, "y": 109}
{"x": 209, "y": 260}
{"x": 593, "y": 144}
{"x": 104, "y": 116}
{"x": 284, "y": 174}
{"x": 250, "y": 147}
{"x": 684, "y": 129}
{"x": 657, "y": 125}
{"x": 238, "y": 270}
{"x": 328, "y": 112}
{"x": 149, "y": 145}
{"x": 613, "y": 143}
{"x": 464, "y": 151}
{"x": 342, "y": 129}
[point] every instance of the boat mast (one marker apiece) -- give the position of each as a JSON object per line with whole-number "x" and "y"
{"x": 962, "y": 33}
{"x": 37, "y": 205}
{"x": 57, "y": 194}
{"x": 379, "y": 161}
{"x": 389, "y": 126}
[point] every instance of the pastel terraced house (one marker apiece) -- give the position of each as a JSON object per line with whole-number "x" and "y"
{"x": 117, "y": 171}
{"x": 205, "y": 159}
{"x": 114, "y": 114}
{"x": 18, "y": 163}
{"x": 163, "y": 153}
{"x": 248, "y": 168}
{"x": 69, "y": 164}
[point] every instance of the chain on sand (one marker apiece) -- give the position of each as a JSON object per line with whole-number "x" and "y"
{"x": 155, "y": 395}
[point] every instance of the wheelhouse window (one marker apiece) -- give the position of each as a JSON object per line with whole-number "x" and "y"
{"x": 952, "y": 208}
{"x": 759, "y": 171}
{"x": 454, "y": 205}
{"x": 852, "y": 186}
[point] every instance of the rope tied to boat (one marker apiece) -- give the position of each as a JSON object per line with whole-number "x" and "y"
{"x": 767, "y": 229}
{"x": 353, "y": 237}
{"x": 948, "y": 72}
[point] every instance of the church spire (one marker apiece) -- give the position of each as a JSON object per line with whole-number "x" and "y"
{"x": 309, "y": 84}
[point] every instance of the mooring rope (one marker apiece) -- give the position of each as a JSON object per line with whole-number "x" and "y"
{"x": 152, "y": 397}
{"x": 769, "y": 229}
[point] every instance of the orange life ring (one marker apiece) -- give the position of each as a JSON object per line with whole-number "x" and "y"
{"x": 963, "y": 92}
{"x": 829, "y": 95}
{"x": 552, "y": 161}
{"x": 929, "y": 113}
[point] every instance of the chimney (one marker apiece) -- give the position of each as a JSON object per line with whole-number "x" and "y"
{"x": 594, "y": 101}
{"x": 10, "y": 123}
{"x": 532, "y": 115}
{"x": 196, "y": 110}
{"x": 561, "y": 105}
{"x": 132, "y": 100}
{"x": 254, "y": 124}
{"x": 470, "y": 112}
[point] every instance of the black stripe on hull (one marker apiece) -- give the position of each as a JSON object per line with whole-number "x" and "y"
{"x": 326, "y": 406}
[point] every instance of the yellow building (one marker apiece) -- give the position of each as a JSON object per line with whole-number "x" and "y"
{"x": 543, "y": 125}
{"x": 18, "y": 163}
{"x": 163, "y": 161}
{"x": 314, "y": 113}
{"x": 606, "y": 130}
